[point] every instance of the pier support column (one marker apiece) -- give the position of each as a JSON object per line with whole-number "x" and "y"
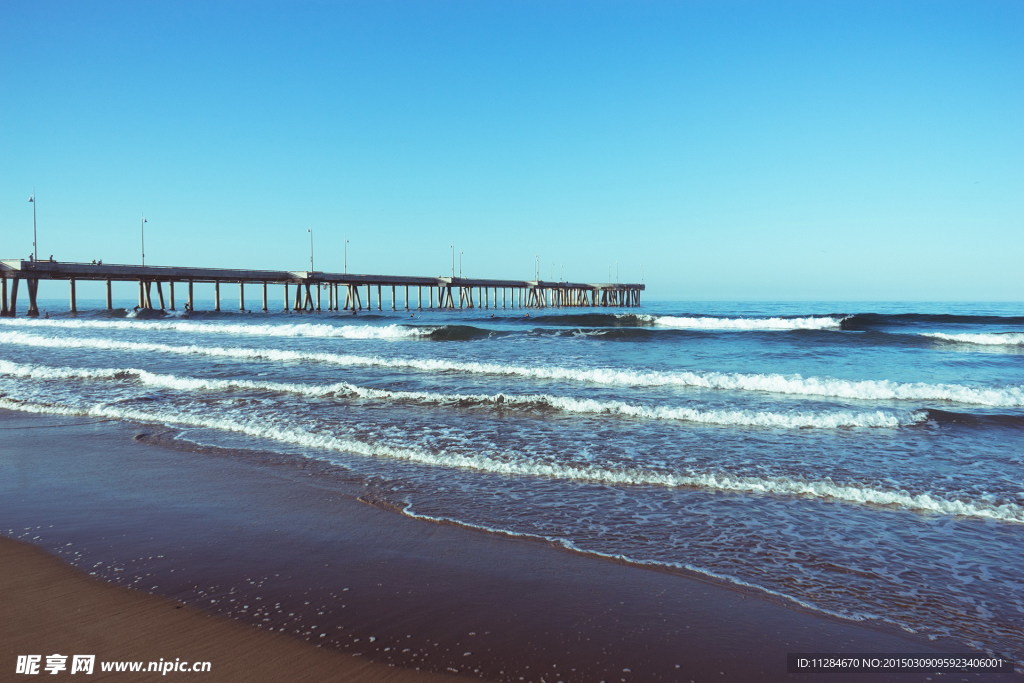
{"x": 241, "y": 296}
{"x": 191, "y": 301}
{"x": 170, "y": 286}
{"x": 419, "y": 291}
{"x": 318, "y": 288}
{"x": 264, "y": 296}
{"x": 160, "y": 293}
{"x": 216, "y": 296}
{"x": 286, "y": 296}
{"x": 12, "y": 309}
{"x": 74, "y": 306}
{"x": 3, "y": 298}
{"x": 394, "y": 304}
{"x": 33, "y": 305}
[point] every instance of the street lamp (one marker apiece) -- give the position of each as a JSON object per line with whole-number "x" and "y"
{"x": 142, "y": 230}
{"x": 346, "y": 257}
{"x": 32, "y": 199}
{"x": 536, "y": 268}
{"x": 460, "y": 264}
{"x": 310, "y": 231}
{"x": 453, "y": 261}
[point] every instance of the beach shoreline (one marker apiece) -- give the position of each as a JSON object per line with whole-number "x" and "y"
{"x": 218, "y": 532}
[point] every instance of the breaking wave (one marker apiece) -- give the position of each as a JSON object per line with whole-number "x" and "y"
{"x": 987, "y": 339}
{"x": 796, "y": 385}
{"x": 788, "y": 420}
{"x": 613, "y": 320}
{"x": 317, "y": 330}
{"x": 867, "y": 321}
{"x": 709, "y": 323}
{"x": 515, "y": 465}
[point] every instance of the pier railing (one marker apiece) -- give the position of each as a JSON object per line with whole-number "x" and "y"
{"x": 305, "y": 290}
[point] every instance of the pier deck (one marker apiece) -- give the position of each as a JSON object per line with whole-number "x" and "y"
{"x": 304, "y": 290}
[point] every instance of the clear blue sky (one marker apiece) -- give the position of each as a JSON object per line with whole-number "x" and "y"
{"x": 723, "y": 149}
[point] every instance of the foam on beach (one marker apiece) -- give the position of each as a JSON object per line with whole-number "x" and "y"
{"x": 513, "y": 464}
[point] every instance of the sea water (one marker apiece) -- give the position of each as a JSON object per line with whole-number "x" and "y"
{"x": 861, "y": 460}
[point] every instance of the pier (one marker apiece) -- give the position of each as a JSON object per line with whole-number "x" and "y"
{"x": 305, "y": 290}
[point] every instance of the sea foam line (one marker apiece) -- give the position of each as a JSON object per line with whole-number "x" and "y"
{"x": 794, "y": 420}
{"x": 988, "y": 339}
{"x": 620, "y": 557}
{"x": 708, "y": 323}
{"x": 797, "y": 385}
{"x": 270, "y": 330}
{"x": 516, "y": 466}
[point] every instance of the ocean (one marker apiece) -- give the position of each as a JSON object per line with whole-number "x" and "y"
{"x": 859, "y": 460}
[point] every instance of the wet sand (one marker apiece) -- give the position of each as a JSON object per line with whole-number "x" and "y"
{"x": 48, "y": 607}
{"x": 272, "y": 542}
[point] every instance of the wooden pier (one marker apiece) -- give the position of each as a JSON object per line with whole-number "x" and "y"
{"x": 307, "y": 290}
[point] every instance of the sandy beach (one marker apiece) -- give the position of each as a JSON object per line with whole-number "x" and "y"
{"x": 265, "y": 542}
{"x": 49, "y": 607}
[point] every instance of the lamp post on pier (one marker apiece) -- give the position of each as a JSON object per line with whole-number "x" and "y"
{"x": 35, "y": 251}
{"x": 346, "y": 257}
{"x": 142, "y": 230}
{"x": 310, "y": 231}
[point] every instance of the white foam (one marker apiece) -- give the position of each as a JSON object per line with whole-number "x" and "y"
{"x": 797, "y": 385}
{"x": 989, "y": 339}
{"x": 705, "y": 323}
{"x": 515, "y": 465}
{"x": 792, "y": 420}
{"x": 252, "y": 330}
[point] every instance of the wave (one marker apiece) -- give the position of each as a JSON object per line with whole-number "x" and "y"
{"x": 590, "y": 319}
{"x": 982, "y": 419}
{"x": 866, "y": 321}
{"x": 989, "y": 339}
{"x": 797, "y": 385}
{"x": 711, "y": 323}
{"x": 461, "y": 333}
{"x": 790, "y": 420}
{"x": 317, "y": 330}
{"x": 513, "y": 465}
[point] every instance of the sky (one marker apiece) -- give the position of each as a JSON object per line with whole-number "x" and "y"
{"x": 712, "y": 149}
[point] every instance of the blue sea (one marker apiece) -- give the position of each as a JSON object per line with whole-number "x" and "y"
{"x": 859, "y": 460}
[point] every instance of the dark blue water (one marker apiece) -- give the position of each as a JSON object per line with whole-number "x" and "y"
{"x": 863, "y": 460}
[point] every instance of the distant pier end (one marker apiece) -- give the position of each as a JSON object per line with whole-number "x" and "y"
{"x": 309, "y": 290}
